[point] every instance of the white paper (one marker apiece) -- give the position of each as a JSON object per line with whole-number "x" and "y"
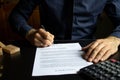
{"x": 59, "y": 59}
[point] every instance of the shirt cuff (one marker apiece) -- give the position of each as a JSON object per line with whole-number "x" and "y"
{"x": 116, "y": 34}
{"x": 24, "y": 30}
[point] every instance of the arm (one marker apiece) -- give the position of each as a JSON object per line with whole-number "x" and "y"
{"x": 18, "y": 20}
{"x": 102, "y": 49}
{"x": 20, "y": 14}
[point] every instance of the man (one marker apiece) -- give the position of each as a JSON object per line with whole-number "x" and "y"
{"x": 69, "y": 20}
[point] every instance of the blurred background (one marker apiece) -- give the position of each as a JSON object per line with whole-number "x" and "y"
{"x": 5, "y": 31}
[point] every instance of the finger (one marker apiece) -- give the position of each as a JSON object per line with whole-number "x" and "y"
{"x": 44, "y": 33}
{"x": 106, "y": 55}
{"x": 50, "y": 37}
{"x": 86, "y": 49}
{"x": 42, "y": 40}
{"x": 100, "y": 54}
{"x": 38, "y": 36}
{"x": 91, "y": 48}
{"x": 47, "y": 43}
{"x": 95, "y": 52}
{"x": 38, "y": 43}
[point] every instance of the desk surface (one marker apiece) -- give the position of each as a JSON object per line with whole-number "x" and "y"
{"x": 19, "y": 67}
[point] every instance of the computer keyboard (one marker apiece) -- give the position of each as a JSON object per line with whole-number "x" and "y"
{"x": 107, "y": 70}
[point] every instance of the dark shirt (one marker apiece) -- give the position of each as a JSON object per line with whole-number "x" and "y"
{"x": 66, "y": 19}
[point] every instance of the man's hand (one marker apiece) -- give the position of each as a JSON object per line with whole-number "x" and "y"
{"x": 101, "y": 49}
{"x": 40, "y": 37}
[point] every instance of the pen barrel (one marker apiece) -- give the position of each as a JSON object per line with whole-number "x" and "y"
{"x": 42, "y": 26}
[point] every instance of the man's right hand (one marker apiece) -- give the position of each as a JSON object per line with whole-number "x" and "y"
{"x": 40, "y": 37}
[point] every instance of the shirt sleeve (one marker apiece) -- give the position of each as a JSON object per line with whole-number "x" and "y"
{"x": 20, "y": 14}
{"x": 113, "y": 11}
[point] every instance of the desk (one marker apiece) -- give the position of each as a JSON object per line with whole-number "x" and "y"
{"x": 19, "y": 67}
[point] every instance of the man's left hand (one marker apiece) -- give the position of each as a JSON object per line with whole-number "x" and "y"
{"x": 101, "y": 49}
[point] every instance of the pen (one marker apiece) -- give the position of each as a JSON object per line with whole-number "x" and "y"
{"x": 42, "y": 27}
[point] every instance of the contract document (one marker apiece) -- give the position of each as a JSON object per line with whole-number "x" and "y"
{"x": 59, "y": 59}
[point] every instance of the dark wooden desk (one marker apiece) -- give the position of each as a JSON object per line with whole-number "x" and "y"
{"x": 19, "y": 67}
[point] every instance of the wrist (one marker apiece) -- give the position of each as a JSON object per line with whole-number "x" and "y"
{"x": 30, "y": 33}
{"x": 115, "y": 39}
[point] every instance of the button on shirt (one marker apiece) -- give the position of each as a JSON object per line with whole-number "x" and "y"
{"x": 66, "y": 19}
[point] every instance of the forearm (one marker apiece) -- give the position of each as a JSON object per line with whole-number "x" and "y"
{"x": 19, "y": 24}
{"x": 20, "y": 15}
